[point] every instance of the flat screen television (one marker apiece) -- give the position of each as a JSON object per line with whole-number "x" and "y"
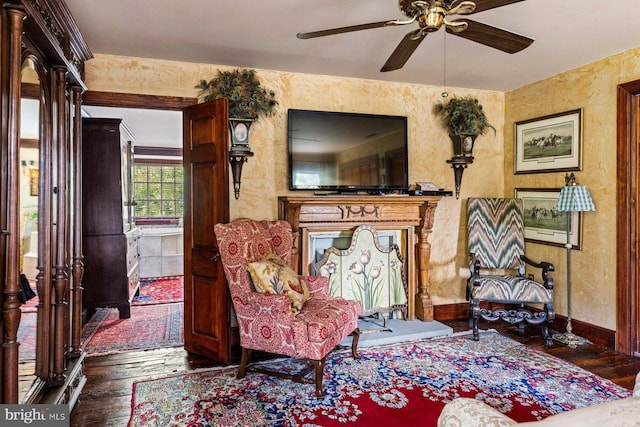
{"x": 347, "y": 152}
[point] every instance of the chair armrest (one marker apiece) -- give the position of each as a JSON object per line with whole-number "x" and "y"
{"x": 276, "y": 305}
{"x": 468, "y": 412}
{"x": 318, "y": 285}
{"x": 546, "y": 268}
{"x": 474, "y": 268}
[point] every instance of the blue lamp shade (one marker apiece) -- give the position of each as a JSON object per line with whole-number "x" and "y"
{"x": 575, "y": 198}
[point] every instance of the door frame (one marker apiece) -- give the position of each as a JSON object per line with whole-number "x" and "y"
{"x": 628, "y": 219}
{"x": 129, "y": 100}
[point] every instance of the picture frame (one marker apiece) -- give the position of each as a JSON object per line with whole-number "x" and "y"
{"x": 550, "y": 143}
{"x": 542, "y": 224}
{"x": 33, "y": 181}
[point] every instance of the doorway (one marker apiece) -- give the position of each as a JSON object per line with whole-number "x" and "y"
{"x": 156, "y": 125}
{"x": 628, "y": 219}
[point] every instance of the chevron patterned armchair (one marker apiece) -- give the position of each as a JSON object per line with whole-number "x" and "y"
{"x": 497, "y": 262}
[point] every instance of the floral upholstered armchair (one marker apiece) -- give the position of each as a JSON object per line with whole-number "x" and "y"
{"x": 278, "y": 311}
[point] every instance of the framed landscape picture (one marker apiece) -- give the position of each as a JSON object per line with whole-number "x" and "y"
{"x": 542, "y": 223}
{"x": 549, "y": 144}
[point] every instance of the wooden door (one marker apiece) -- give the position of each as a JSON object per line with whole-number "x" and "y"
{"x": 206, "y": 298}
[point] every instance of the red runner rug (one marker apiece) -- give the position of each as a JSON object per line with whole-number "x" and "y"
{"x": 160, "y": 291}
{"x": 149, "y": 327}
{"x": 402, "y": 384}
{"x": 27, "y": 336}
{"x": 31, "y": 306}
{"x": 105, "y": 333}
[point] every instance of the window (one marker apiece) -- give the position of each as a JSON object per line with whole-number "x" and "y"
{"x": 158, "y": 193}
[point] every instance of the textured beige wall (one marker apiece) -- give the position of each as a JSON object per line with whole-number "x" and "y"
{"x": 593, "y": 89}
{"x": 265, "y": 175}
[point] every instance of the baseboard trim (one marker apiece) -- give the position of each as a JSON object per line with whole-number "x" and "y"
{"x": 451, "y": 311}
{"x": 596, "y": 334}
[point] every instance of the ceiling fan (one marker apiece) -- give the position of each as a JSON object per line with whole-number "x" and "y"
{"x": 431, "y": 15}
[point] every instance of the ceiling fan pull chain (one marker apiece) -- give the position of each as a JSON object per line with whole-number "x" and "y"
{"x": 444, "y": 93}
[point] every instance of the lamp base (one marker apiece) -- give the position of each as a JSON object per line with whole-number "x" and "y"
{"x": 570, "y": 339}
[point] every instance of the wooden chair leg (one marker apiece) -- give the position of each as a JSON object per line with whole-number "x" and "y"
{"x": 244, "y": 361}
{"x": 474, "y": 312}
{"x": 521, "y": 326}
{"x": 354, "y": 343}
{"x": 319, "y": 366}
{"x": 548, "y": 340}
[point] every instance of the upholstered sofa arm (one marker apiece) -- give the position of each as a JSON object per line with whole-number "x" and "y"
{"x": 318, "y": 285}
{"x": 466, "y": 412}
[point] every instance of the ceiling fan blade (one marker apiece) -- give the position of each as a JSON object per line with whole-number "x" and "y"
{"x": 494, "y": 37}
{"x": 403, "y": 51}
{"x": 341, "y": 30}
{"x": 482, "y": 5}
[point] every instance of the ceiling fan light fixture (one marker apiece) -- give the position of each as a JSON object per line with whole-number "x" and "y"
{"x": 432, "y": 21}
{"x": 431, "y": 15}
{"x": 456, "y": 26}
{"x": 413, "y": 8}
{"x": 416, "y": 35}
{"x": 464, "y": 8}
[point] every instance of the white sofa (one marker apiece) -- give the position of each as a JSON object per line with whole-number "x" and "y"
{"x": 465, "y": 412}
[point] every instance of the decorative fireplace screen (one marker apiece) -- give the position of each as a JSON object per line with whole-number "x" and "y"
{"x": 368, "y": 272}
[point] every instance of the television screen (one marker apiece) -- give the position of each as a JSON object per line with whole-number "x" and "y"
{"x": 346, "y": 151}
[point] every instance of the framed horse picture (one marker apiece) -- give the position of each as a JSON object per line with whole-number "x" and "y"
{"x": 549, "y": 144}
{"x": 543, "y": 223}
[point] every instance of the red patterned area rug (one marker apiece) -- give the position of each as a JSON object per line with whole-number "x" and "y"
{"x": 27, "y": 336}
{"x": 402, "y": 384}
{"x": 149, "y": 327}
{"x": 162, "y": 290}
{"x": 31, "y": 306}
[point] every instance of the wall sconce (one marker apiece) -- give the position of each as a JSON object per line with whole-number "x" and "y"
{"x": 239, "y": 151}
{"x": 237, "y": 159}
{"x": 462, "y": 157}
{"x": 459, "y": 164}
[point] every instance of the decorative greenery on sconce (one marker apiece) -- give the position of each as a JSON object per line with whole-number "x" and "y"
{"x": 248, "y": 100}
{"x": 464, "y": 119}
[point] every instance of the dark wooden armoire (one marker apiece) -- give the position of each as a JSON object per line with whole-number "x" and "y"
{"x": 109, "y": 234}
{"x": 42, "y": 61}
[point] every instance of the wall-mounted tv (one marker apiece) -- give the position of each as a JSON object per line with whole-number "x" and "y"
{"x": 347, "y": 152}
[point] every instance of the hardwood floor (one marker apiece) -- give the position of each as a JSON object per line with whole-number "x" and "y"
{"x": 106, "y": 398}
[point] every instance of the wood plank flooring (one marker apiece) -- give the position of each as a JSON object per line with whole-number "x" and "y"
{"x": 106, "y": 398}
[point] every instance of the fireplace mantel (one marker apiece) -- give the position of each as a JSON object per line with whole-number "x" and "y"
{"x": 413, "y": 214}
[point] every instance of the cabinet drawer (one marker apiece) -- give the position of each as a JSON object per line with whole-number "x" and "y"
{"x": 132, "y": 257}
{"x": 132, "y": 242}
{"x": 134, "y": 280}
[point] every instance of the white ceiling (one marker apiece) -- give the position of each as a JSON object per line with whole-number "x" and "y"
{"x": 262, "y": 34}
{"x": 151, "y": 128}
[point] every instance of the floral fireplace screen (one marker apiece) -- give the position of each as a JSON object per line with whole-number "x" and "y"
{"x": 369, "y": 273}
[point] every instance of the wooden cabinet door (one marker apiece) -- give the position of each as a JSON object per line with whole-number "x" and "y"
{"x": 206, "y": 297}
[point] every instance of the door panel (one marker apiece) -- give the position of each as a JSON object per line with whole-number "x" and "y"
{"x": 206, "y": 299}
